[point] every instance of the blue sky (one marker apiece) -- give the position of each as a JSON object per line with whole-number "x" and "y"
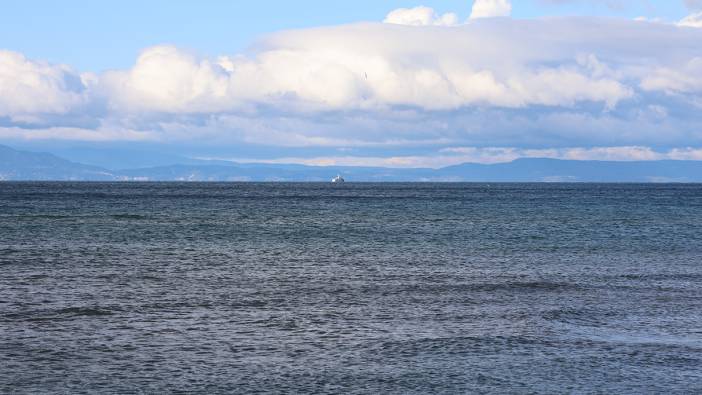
{"x": 100, "y": 35}
{"x": 363, "y": 82}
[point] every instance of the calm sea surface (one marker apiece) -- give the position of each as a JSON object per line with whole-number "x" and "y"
{"x": 355, "y": 288}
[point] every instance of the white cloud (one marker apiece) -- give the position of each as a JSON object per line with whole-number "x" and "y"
{"x": 616, "y": 153}
{"x": 373, "y": 161}
{"x": 32, "y": 87}
{"x": 692, "y": 20}
{"x": 687, "y": 153}
{"x": 492, "y": 81}
{"x": 491, "y": 8}
{"x": 488, "y": 155}
{"x": 167, "y": 79}
{"x": 420, "y": 16}
{"x": 499, "y": 154}
{"x": 686, "y": 78}
{"x": 368, "y": 67}
{"x": 634, "y": 153}
{"x": 72, "y": 133}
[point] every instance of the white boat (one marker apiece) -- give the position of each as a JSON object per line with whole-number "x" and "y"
{"x": 338, "y": 179}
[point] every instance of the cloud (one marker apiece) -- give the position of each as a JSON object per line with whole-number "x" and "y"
{"x": 488, "y": 155}
{"x": 686, "y": 78}
{"x": 35, "y": 87}
{"x": 167, "y": 79}
{"x": 491, "y": 8}
{"x": 499, "y": 154}
{"x": 426, "y": 16}
{"x": 367, "y": 67}
{"x": 617, "y": 153}
{"x": 420, "y": 16}
{"x": 693, "y": 4}
{"x": 553, "y": 82}
{"x": 73, "y": 133}
{"x": 692, "y": 20}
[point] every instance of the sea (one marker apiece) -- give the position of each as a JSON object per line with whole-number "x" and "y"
{"x": 392, "y": 288}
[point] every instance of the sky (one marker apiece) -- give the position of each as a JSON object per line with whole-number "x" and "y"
{"x": 390, "y": 83}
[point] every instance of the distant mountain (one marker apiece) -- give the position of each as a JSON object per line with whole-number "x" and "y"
{"x": 120, "y": 157}
{"x": 22, "y": 165}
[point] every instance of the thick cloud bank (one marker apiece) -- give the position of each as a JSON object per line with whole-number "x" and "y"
{"x": 421, "y": 78}
{"x": 493, "y": 63}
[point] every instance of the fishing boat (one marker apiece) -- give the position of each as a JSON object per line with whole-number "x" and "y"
{"x": 338, "y": 179}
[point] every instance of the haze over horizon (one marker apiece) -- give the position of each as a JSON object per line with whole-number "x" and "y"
{"x": 395, "y": 84}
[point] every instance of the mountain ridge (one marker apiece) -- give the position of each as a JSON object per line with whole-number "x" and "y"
{"x": 42, "y": 166}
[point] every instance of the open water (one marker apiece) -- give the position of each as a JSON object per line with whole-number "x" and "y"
{"x": 356, "y": 288}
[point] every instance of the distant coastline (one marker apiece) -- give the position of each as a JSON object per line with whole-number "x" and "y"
{"x": 16, "y": 165}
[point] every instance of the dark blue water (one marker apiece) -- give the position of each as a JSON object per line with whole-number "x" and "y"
{"x": 355, "y": 288}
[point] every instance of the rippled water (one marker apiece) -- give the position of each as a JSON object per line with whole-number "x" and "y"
{"x": 385, "y": 288}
